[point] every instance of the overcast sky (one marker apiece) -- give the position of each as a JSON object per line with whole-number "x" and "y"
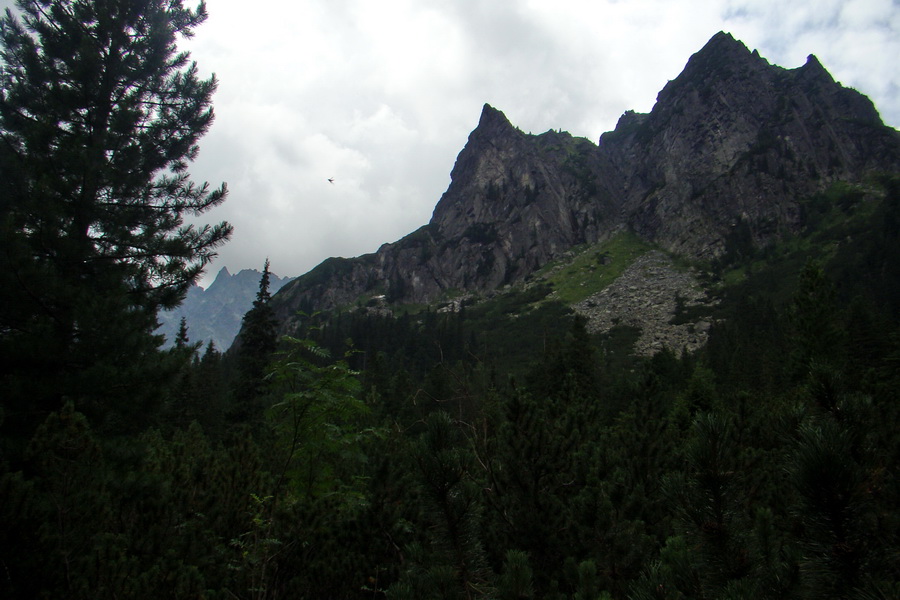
{"x": 381, "y": 95}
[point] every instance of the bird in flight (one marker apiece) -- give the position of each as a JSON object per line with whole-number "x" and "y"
{"x": 331, "y": 180}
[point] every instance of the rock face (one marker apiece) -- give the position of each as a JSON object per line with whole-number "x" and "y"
{"x": 733, "y": 141}
{"x": 736, "y": 139}
{"x": 215, "y": 314}
{"x": 515, "y": 201}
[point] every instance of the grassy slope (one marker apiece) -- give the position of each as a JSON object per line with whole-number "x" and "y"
{"x": 589, "y": 269}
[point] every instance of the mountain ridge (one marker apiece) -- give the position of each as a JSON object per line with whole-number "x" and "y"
{"x": 730, "y": 148}
{"x": 215, "y": 314}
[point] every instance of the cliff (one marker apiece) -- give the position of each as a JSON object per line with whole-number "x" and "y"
{"x": 733, "y": 144}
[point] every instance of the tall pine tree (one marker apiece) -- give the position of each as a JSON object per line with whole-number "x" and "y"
{"x": 100, "y": 115}
{"x": 254, "y": 346}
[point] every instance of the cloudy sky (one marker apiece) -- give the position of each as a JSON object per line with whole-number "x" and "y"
{"x": 381, "y": 95}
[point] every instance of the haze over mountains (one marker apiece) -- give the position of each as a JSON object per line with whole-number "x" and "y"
{"x": 214, "y": 314}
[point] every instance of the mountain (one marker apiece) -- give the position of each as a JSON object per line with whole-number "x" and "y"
{"x": 723, "y": 162}
{"x": 214, "y": 314}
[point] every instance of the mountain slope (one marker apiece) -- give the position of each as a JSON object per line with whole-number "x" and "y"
{"x": 729, "y": 151}
{"x": 215, "y": 314}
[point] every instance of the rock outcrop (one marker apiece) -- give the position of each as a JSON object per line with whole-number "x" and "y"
{"x": 731, "y": 141}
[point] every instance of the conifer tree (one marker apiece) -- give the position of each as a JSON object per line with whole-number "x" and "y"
{"x": 452, "y": 513}
{"x": 818, "y": 335}
{"x": 181, "y": 338}
{"x": 258, "y": 336}
{"x": 100, "y": 115}
{"x": 181, "y": 405}
{"x": 534, "y": 476}
{"x": 209, "y": 393}
{"x": 515, "y": 583}
{"x": 255, "y": 345}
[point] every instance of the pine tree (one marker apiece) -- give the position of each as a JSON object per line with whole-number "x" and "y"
{"x": 533, "y": 478}
{"x": 99, "y": 117}
{"x": 258, "y": 334}
{"x": 457, "y": 566}
{"x": 255, "y": 345}
{"x": 181, "y": 338}
{"x": 210, "y": 393}
{"x": 818, "y": 335}
{"x": 515, "y": 583}
{"x": 181, "y": 406}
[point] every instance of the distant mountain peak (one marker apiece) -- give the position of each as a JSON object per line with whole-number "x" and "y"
{"x": 721, "y": 49}
{"x": 223, "y": 273}
{"x": 479, "y": 166}
{"x": 721, "y": 59}
{"x": 215, "y": 314}
{"x": 813, "y": 62}
{"x": 492, "y": 126}
{"x": 720, "y": 40}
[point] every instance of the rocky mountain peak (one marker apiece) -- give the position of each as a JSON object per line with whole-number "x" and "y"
{"x": 733, "y": 139}
{"x": 813, "y": 77}
{"x": 476, "y": 164}
{"x": 714, "y": 69}
{"x": 215, "y": 314}
{"x": 733, "y": 144}
{"x": 723, "y": 42}
{"x": 492, "y": 122}
{"x": 814, "y": 66}
{"x": 720, "y": 53}
{"x": 223, "y": 274}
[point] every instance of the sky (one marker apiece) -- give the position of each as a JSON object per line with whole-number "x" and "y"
{"x": 381, "y": 95}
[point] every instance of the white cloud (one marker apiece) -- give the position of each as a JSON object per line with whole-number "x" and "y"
{"x": 381, "y": 95}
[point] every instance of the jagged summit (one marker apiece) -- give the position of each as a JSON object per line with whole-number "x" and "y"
{"x": 492, "y": 118}
{"x": 494, "y": 131}
{"x": 215, "y": 314}
{"x": 733, "y": 144}
{"x": 813, "y": 64}
{"x": 721, "y": 60}
{"x": 719, "y": 51}
{"x": 722, "y": 40}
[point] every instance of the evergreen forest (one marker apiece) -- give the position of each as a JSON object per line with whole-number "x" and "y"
{"x": 495, "y": 451}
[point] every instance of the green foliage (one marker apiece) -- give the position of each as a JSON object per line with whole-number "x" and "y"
{"x": 254, "y": 347}
{"x": 818, "y": 334}
{"x": 708, "y": 497}
{"x": 734, "y": 473}
{"x": 577, "y": 163}
{"x": 67, "y": 464}
{"x": 455, "y": 565}
{"x": 316, "y": 418}
{"x": 594, "y": 267}
{"x": 328, "y": 269}
{"x": 99, "y": 118}
{"x": 516, "y": 581}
